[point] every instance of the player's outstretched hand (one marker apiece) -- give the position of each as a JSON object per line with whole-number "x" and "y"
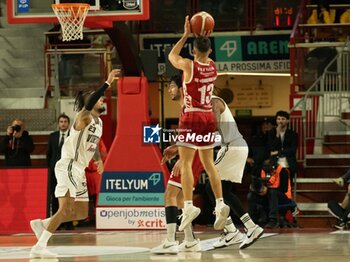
{"x": 112, "y": 75}
{"x": 169, "y": 153}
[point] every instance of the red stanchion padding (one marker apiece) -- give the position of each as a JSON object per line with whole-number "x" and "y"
{"x": 128, "y": 152}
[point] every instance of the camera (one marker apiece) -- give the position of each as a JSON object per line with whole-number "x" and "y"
{"x": 16, "y": 128}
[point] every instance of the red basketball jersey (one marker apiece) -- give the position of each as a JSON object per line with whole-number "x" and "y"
{"x": 199, "y": 89}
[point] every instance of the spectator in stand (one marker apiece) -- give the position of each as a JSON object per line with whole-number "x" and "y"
{"x": 53, "y": 154}
{"x": 345, "y": 17}
{"x": 341, "y": 212}
{"x": 283, "y": 143}
{"x": 270, "y": 195}
{"x": 258, "y": 149}
{"x": 323, "y": 14}
{"x": 93, "y": 180}
{"x": 17, "y": 145}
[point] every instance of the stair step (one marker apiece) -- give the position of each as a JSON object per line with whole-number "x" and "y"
{"x": 336, "y": 148}
{"x": 339, "y": 137}
{"x": 327, "y": 160}
{"x": 307, "y": 196}
{"x": 323, "y": 171}
{"x": 314, "y": 180}
{"x": 316, "y": 221}
{"x": 313, "y": 207}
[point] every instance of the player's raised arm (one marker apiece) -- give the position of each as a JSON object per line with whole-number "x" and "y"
{"x": 85, "y": 108}
{"x": 174, "y": 56}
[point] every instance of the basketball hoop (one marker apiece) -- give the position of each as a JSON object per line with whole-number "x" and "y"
{"x": 71, "y": 18}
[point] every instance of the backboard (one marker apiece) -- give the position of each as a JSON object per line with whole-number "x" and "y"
{"x": 101, "y": 11}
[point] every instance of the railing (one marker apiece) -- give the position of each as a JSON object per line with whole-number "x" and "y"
{"x": 318, "y": 110}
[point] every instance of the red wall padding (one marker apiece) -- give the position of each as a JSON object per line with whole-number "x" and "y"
{"x": 23, "y": 198}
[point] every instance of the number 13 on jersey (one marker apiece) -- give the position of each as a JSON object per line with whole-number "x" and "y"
{"x": 206, "y": 93}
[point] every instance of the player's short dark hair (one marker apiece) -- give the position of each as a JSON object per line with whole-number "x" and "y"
{"x": 202, "y": 44}
{"x": 177, "y": 79}
{"x": 63, "y": 115}
{"x": 282, "y": 114}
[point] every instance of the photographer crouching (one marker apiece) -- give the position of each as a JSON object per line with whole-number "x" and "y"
{"x": 17, "y": 145}
{"x": 270, "y": 196}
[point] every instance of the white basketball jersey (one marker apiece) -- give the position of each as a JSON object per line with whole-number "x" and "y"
{"x": 228, "y": 127}
{"x": 81, "y": 145}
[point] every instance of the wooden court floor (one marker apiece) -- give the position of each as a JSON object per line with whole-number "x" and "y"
{"x": 89, "y": 245}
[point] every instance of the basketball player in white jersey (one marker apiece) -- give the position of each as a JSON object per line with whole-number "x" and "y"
{"x": 230, "y": 162}
{"x": 197, "y": 122}
{"x": 79, "y": 148}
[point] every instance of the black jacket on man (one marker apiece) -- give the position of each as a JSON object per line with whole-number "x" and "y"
{"x": 287, "y": 148}
{"x": 17, "y": 150}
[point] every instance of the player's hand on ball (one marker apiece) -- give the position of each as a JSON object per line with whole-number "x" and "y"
{"x": 187, "y": 26}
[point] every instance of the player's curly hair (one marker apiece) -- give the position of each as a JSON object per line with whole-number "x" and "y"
{"x": 80, "y": 99}
{"x": 177, "y": 79}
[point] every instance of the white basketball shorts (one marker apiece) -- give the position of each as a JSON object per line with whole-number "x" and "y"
{"x": 71, "y": 177}
{"x": 230, "y": 162}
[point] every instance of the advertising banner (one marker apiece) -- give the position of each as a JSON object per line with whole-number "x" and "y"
{"x": 132, "y": 189}
{"x": 246, "y": 53}
{"x": 23, "y": 6}
{"x": 130, "y": 218}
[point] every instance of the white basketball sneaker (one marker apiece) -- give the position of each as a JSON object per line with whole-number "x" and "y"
{"x": 190, "y": 246}
{"x": 252, "y": 235}
{"x": 221, "y": 214}
{"x": 41, "y": 252}
{"x": 188, "y": 215}
{"x": 229, "y": 238}
{"x": 37, "y": 227}
{"x": 167, "y": 247}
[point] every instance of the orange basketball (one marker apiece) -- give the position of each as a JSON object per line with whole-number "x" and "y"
{"x": 202, "y": 23}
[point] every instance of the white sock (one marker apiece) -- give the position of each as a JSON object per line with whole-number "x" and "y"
{"x": 46, "y": 222}
{"x": 44, "y": 238}
{"x": 230, "y": 227}
{"x": 171, "y": 231}
{"x": 247, "y": 221}
{"x": 188, "y": 233}
{"x": 188, "y": 203}
{"x": 219, "y": 202}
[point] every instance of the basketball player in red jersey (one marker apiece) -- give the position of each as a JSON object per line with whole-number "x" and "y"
{"x": 197, "y": 124}
{"x": 173, "y": 197}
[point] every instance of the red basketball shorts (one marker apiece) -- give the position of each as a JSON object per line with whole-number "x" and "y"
{"x": 197, "y": 130}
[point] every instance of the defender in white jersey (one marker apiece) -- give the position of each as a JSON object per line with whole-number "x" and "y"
{"x": 79, "y": 148}
{"x": 230, "y": 162}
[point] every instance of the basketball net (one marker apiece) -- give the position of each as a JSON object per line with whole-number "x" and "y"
{"x": 71, "y": 18}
